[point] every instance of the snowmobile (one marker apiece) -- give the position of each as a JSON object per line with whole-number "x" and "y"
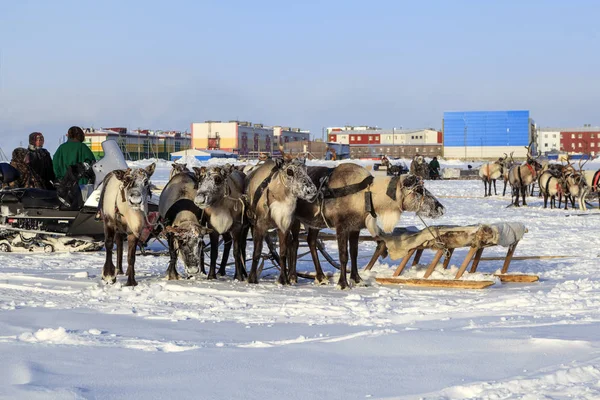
{"x": 57, "y": 220}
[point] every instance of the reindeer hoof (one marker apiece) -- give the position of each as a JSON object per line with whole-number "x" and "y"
{"x": 172, "y": 277}
{"x": 120, "y": 271}
{"x": 253, "y": 279}
{"x": 322, "y": 281}
{"x": 109, "y": 280}
{"x": 343, "y": 285}
{"x": 131, "y": 282}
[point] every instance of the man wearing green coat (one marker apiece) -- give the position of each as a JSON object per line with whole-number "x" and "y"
{"x": 71, "y": 152}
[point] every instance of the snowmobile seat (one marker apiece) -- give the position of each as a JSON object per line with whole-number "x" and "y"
{"x": 40, "y": 198}
{"x": 8, "y": 173}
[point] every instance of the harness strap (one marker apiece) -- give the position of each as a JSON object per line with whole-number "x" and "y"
{"x": 595, "y": 180}
{"x": 391, "y": 189}
{"x": 259, "y": 190}
{"x": 334, "y": 193}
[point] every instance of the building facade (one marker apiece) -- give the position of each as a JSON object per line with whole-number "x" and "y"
{"x": 243, "y": 137}
{"x": 140, "y": 144}
{"x": 487, "y": 134}
{"x": 585, "y": 140}
{"x": 374, "y": 142}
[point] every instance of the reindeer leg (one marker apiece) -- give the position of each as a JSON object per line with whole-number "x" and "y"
{"x": 342, "y": 239}
{"x": 258, "y": 235}
{"x": 294, "y": 243}
{"x": 214, "y": 253}
{"x": 283, "y": 256}
{"x": 516, "y": 191}
{"x": 108, "y": 271}
{"x": 484, "y": 188}
{"x": 201, "y": 255}
{"x": 311, "y": 239}
{"x": 119, "y": 239}
{"x": 243, "y": 243}
{"x": 495, "y": 193}
{"x": 237, "y": 256}
{"x": 172, "y": 269}
{"x": 353, "y": 237}
{"x": 546, "y": 201}
{"x": 132, "y": 242}
{"x": 504, "y": 190}
{"x": 524, "y": 194}
{"x": 228, "y": 242}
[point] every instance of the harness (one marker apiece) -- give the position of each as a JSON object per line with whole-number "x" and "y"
{"x": 595, "y": 180}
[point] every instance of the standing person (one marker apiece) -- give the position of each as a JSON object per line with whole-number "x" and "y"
{"x": 71, "y": 152}
{"x": 434, "y": 168}
{"x": 40, "y": 161}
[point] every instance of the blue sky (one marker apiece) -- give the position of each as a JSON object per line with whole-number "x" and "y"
{"x": 308, "y": 64}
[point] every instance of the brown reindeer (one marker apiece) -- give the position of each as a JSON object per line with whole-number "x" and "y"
{"x": 177, "y": 169}
{"x": 551, "y": 185}
{"x": 576, "y": 186}
{"x": 273, "y": 190}
{"x": 219, "y": 195}
{"x": 490, "y": 172}
{"x": 521, "y": 176}
{"x": 351, "y": 199}
{"x": 124, "y": 208}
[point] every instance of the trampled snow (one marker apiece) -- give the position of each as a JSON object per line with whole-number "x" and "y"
{"x": 66, "y": 335}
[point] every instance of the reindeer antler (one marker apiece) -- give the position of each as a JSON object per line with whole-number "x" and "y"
{"x": 284, "y": 155}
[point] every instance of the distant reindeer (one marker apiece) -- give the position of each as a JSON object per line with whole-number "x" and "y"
{"x": 521, "y": 176}
{"x": 490, "y": 172}
{"x": 551, "y": 185}
{"x": 576, "y": 186}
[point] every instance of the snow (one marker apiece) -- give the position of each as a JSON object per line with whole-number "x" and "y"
{"x": 65, "y": 335}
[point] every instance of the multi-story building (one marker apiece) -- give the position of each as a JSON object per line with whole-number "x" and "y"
{"x": 584, "y": 139}
{"x": 242, "y": 137}
{"x": 487, "y": 134}
{"x": 374, "y": 142}
{"x": 138, "y": 144}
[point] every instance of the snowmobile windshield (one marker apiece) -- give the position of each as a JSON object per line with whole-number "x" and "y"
{"x": 113, "y": 159}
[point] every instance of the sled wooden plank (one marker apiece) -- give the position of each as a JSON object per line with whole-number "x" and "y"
{"x": 417, "y": 257}
{"x": 476, "y": 261}
{"x": 443, "y": 283}
{"x": 448, "y": 257}
{"x": 466, "y": 262}
{"x": 433, "y": 263}
{"x": 381, "y": 248}
{"x": 404, "y": 262}
{"x": 520, "y": 258}
{"x": 517, "y": 278}
{"x": 509, "y": 254}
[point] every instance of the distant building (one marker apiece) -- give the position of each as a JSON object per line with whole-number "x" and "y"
{"x": 374, "y": 142}
{"x": 487, "y": 134}
{"x": 584, "y": 139}
{"x": 137, "y": 145}
{"x": 243, "y": 137}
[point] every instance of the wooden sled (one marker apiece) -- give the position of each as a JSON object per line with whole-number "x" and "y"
{"x": 444, "y": 240}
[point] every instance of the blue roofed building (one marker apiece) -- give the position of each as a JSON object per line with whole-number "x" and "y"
{"x": 487, "y": 134}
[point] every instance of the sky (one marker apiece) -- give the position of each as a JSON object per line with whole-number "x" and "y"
{"x": 310, "y": 64}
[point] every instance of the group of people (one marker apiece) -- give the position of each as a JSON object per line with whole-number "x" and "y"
{"x": 37, "y": 169}
{"x": 418, "y": 167}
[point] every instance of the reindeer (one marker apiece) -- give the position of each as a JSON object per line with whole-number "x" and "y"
{"x": 273, "y": 190}
{"x": 183, "y": 224}
{"x": 124, "y": 206}
{"x": 490, "y": 172}
{"x": 521, "y": 176}
{"x": 219, "y": 195}
{"x": 177, "y": 169}
{"x": 576, "y": 186}
{"x": 350, "y": 199}
{"x": 551, "y": 185}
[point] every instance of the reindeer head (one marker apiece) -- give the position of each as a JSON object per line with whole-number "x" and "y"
{"x": 187, "y": 237}
{"x": 212, "y": 185}
{"x": 135, "y": 186}
{"x": 294, "y": 176}
{"x": 417, "y": 199}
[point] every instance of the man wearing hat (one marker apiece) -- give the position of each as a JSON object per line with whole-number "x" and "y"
{"x": 40, "y": 161}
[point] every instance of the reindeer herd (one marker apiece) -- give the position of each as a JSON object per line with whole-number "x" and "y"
{"x": 230, "y": 201}
{"x": 567, "y": 182}
{"x": 284, "y": 195}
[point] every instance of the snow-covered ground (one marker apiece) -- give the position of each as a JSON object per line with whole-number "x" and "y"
{"x": 65, "y": 335}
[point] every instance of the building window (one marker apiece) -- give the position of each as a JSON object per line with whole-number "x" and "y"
{"x": 591, "y": 135}
{"x": 352, "y": 138}
{"x": 572, "y": 145}
{"x": 370, "y": 138}
{"x": 579, "y": 144}
{"x": 546, "y": 135}
{"x": 592, "y": 144}
{"x": 412, "y": 137}
{"x": 177, "y": 145}
{"x": 572, "y": 136}
{"x": 561, "y": 136}
{"x": 545, "y": 144}
{"x": 554, "y": 136}
{"x": 579, "y": 136}
{"x": 390, "y": 138}
{"x": 358, "y": 138}
{"x": 421, "y": 137}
